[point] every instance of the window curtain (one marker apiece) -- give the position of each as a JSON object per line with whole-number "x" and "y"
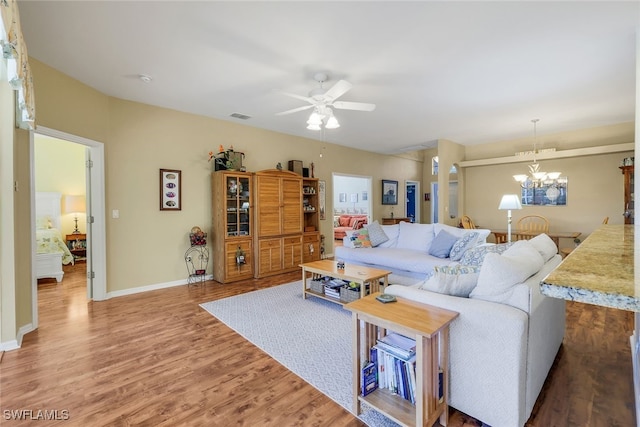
{"x": 14, "y": 50}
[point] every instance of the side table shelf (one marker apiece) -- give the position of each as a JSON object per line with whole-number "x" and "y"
{"x": 197, "y": 259}
{"x": 429, "y": 326}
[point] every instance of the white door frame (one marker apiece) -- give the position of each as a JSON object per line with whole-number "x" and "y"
{"x": 97, "y": 238}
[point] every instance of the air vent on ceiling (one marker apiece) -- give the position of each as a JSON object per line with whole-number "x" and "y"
{"x": 240, "y": 116}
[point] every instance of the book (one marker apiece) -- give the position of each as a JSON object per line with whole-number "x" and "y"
{"x": 368, "y": 378}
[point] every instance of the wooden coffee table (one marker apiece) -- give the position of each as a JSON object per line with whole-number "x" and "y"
{"x": 351, "y": 272}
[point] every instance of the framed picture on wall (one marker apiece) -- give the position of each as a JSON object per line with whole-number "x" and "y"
{"x": 389, "y": 192}
{"x": 170, "y": 190}
{"x": 343, "y": 197}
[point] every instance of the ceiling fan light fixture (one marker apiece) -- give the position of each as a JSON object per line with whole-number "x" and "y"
{"x": 313, "y": 127}
{"x": 332, "y": 123}
{"x": 314, "y": 119}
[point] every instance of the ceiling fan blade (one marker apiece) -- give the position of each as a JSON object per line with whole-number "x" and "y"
{"x": 360, "y": 106}
{"x": 295, "y": 110}
{"x": 337, "y": 90}
{"x": 300, "y": 97}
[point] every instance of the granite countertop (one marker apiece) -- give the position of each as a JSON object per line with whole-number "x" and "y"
{"x": 599, "y": 271}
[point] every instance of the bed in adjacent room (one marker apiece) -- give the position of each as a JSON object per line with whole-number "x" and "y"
{"x": 51, "y": 250}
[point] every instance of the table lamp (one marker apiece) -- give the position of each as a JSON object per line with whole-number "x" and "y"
{"x": 74, "y": 205}
{"x": 508, "y": 202}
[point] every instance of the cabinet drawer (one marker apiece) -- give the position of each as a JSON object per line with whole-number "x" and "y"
{"x": 311, "y": 238}
{"x": 295, "y": 240}
{"x": 234, "y": 270}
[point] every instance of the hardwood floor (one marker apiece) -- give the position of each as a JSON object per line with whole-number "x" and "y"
{"x": 157, "y": 358}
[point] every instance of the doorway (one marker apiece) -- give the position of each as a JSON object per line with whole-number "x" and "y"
{"x": 351, "y": 196}
{"x": 413, "y": 200}
{"x": 95, "y": 208}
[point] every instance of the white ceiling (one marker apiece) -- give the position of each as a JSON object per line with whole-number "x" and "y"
{"x": 471, "y": 72}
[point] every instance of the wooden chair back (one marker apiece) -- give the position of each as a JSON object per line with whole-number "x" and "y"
{"x": 605, "y": 220}
{"x": 534, "y": 224}
{"x": 467, "y": 222}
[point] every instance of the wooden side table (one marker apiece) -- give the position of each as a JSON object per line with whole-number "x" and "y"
{"x": 429, "y": 326}
{"x": 392, "y": 221}
{"x": 77, "y": 244}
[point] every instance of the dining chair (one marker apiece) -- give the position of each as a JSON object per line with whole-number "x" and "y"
{"x": 533, "y": 224}
{"x": 605, "y": 220}
{"x": 467, "y": 222}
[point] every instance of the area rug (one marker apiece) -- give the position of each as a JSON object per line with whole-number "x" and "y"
{"x": 310, "y": 337}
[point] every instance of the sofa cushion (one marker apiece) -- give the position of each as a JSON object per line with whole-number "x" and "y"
{"x": 395, "y": 259}
{"x": 417, "y": 237}
{"x": 455, "y": 280}
{"x": 545, "y": 246}
{"x": 442, "y": 244}
{"x": 475, "y": 255}
{"x": 462, "y": 244}
{"x": 344, "y": 221}
{"x": 376, "y": 233}
{"x": 392, "y": 231}
{"x": 360, "y": 238}
{"x": 499, "y": 273}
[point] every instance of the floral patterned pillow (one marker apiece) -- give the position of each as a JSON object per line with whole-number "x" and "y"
{"x": 360, "y": 238}
{"x": 475, "y": 256}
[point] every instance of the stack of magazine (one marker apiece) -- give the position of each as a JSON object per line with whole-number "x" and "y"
{"x": 332, "y": 287}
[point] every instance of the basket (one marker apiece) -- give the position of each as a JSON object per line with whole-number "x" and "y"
{"x": 317, "y": 286}
{"x": 348, "y": 295}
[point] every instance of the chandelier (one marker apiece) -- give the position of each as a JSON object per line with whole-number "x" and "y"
{"x": 536, "y": 177}
{"x": 318, "y": 117}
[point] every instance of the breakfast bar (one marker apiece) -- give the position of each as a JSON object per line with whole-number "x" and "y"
{"x": 601, "y": 271}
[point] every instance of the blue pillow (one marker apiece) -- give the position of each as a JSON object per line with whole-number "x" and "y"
{"x": 442, "y": 244}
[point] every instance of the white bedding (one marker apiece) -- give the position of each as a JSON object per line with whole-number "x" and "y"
{"x": 49, "y": 240}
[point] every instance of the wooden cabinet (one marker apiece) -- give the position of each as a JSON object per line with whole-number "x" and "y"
{"x": 629, "y": 196}
{"x": 279, "y": 222}
{"x": 311, "y": 214}
{"x": 232, "y": 225}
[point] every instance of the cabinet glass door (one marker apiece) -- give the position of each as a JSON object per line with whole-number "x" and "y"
{"x": 237, "y": 197}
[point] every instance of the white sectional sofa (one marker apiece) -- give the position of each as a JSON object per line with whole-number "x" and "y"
{"x": 504, "y": 342}
{"x": 406, "y": 252}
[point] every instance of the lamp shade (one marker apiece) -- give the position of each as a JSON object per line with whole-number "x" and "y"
{"x": 74, "y": 204}
{"x": 510, "y": 201}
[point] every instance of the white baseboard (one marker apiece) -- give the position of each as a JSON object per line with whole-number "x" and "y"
{"x": 17, "y": 343}
{"x": 153, "y": 287}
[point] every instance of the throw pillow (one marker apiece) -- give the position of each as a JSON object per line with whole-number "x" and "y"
{"x": 442, "y": 244}
{"x": 417, "y": 237}
{"x": 344, "y": 221}
{"x": 500, "y": 272}
{"x": 376, "y": 233}
{"x": 475, "y": 256}
{"x": 392, "y": 231}
{"x": 461, "y": 245}
{"x": 456, "y": 280}
{"x": 360, "y": 238}
{"x": 545, "y": 246}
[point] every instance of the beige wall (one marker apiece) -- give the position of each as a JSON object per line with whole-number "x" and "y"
{"x": 146, "y": 246}
{"x": 60, "y": 166}
{"x": 595, "y": 190}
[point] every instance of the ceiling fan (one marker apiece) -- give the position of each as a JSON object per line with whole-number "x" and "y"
{"x": 322, "y": 100}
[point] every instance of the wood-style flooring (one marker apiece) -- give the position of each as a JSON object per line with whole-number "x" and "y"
{"x": 158, "y": 359}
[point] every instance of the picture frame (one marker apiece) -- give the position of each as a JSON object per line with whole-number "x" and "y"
{"x": 342, "y": 197}
{"x": 365, "y": 196}
{"x": 354, "y": 198}
{"x": 170, "y": 190}
{"x": 552, "y": 193}
{"x": 389, "y": 192}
